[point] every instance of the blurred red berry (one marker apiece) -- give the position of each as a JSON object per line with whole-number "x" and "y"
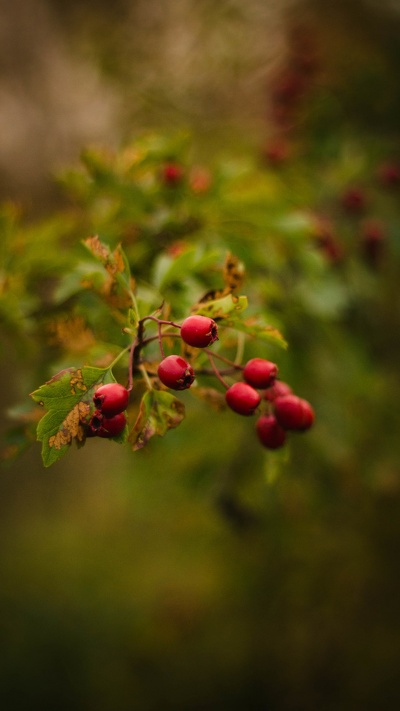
{"x": 278, "y": 389}
{"x": 293, "y": 413}
{"x": 269, "y": 432}
{"x": 172, "y": 174}
{"x": 373, "y": 238}
{"x": 354, "y": 200}
{"x": 389, "y": 174}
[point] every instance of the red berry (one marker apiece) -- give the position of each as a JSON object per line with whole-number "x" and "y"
{"x": 172, "y": 173}
{"x": 293, "y": 413}
{"x": 276, "y": 151}
{"x": 199, "y": 331}
{"x": 111, "y": 399}
{"x": 354, "y": 200}
{"x": 176, "y": 373}
{"x": 278, "y": 389}
{"x": 200, "y": 180}
{"x": 389, "y": 174}
{"x": 269, "y": 432}
{"x": 242, "y": 398}
{"x": 107, "y": 426}
{"x": 373, "y": 237}
{"x": 260, "y": 373}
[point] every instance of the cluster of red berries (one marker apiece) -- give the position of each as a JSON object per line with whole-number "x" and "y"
{"x": 197, "y": 331}
{"x": 285, "y": 411}
{"x": 109, "y": 419}
{"x": 244, "y": 397}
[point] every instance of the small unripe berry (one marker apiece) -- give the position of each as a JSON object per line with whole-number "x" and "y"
{"x": 199, "y": 331}
{"x": 242, "y": 398}
{"x": 107, "y": 426}
{"x": 278, "y": 389}
{"x": 269, "y": 432}
{"x": 176, "y": 373}
{"x": 111, "y": 399}
{"x": 260, "y": 373}
{"x": 293, "y": 413}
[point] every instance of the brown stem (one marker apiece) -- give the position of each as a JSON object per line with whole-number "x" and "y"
{"x": 216, "y": 371}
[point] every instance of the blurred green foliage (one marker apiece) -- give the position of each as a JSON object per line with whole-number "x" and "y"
{"x": 202, "y": 572}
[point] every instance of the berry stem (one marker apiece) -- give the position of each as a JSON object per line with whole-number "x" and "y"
{"x": 160, "y": 321}
{"x": 160, "y": 343}
{"x": 216, "y": 371}
{"x": 225, "y": 360}
{"x": 131, "y": 363}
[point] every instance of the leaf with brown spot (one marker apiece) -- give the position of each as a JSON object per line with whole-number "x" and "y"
{"x": 159, "y": 412}
{"x": 68, "y": 399}
{"x": 234, "y": 272}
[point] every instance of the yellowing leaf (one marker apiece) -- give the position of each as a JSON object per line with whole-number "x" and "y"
{"x": 159, "y": 412}
{"x": 68, "y": 399}
{"x": 221, "y": 307}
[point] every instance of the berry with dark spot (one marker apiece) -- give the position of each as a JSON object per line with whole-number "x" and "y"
{"x": 176, "y": 373}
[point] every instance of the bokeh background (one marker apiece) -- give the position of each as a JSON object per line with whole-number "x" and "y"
{"x": 202, "y": 573}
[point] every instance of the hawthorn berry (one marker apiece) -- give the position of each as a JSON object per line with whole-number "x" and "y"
{"x": 172, "y": 173}
{"x": 111, "y": 399}
{"x": 389, "y": 174}
{"x": 176, "y": 373}
{"x": 107, "y": 426}
{"x": 242, "y": 398}
{"x": 293, "y": 413}
{"x": 269, "y": 432}
{"x": 276, "y": 151}
{"x": 373, "y": 237}
{"x": 277, "y": 389}
{"x": 199, "y": 331}
{"x": 354, "y": 200}
{"x": 260, "y": 373}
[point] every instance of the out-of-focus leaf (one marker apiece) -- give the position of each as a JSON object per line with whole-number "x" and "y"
{"x": 220, "y": 308}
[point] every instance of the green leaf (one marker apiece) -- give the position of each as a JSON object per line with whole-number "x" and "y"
{"x": 220, "y": 308}
{"x": 68, "y": 399}
{"x": 159, "y": 412}
{"x": 256, "y": 330}
{"x": 115, "y": 262}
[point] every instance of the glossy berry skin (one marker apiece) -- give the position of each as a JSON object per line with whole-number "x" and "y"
{"x": 199, "y": 331}
{"x": 242, "y": 398}
{"x": 111, "y": 399}
{"x": 277, "y": 389}
{"x": 269, "y": 432}
{"x": 293, "y": 413}
{"x": 107, "y": 426}
{"x": 176, "y": 373}
{"x": 260, "y": 373}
